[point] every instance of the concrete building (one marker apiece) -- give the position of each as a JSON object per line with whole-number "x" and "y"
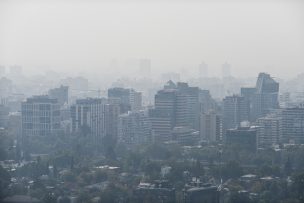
{"x": 61, "y": 94}
{"x": 269, "y": 130}
{"x": 163, "y": 116}
{"x": 88, "y": 117}
{"x": 266, "y": 98}
{"x": 4, "y": 116}
{"x": 177, "y": 105}
{"x": 134, "y": 128}
{"x": 130, "y": 100}
{"x": 292, "y": 125}
{"x": 40, "y": 116}
{"x": 112, "y": 111}
{"x": 263, "y": 98}
{"x": 206, "y": 102}
{"x": 187, "y": 112}
{"x": 285, "y": 100}
{"x": 210, "y": 127}
{"x": 235, "y": 110}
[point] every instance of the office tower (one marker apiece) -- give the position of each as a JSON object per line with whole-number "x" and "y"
{"x": 266, "y": 95}
{"x": 249, "y": 93}
{"x": 40, "y": 116}
{"x": 177, "y": 105}
{"x": 187, "y": 106}
{"x": 226, "y": 70}
{"x": 88, "y": 117}
{"x": 4, "y": 115}
{"x": 284, "y": 100}
{"x": 145, "y": 67}
{"x": 134, "y": 128}
{"x": 130, "y": 100}
{"x": 163, "y": 116}
{"x": 206, "y": 102}
{"x": 210, "y": 126}
{"x": 269, "y": 130}
{"x": 235, "y": 110}
{"x": 112, "y": 111}
{"x": 61, "y": 94}
{"x": 244, "y": 137}
{"x": 293, "y": 125}
{"x": 135, "y": 100}
{"x": 263, "y": 98}
{"x": 203, "y": 70}
{"x": 15, "y": 124}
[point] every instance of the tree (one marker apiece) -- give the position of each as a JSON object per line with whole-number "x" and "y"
{"x": 288, "y": 167}
{"x": 299, "y": 185}
{"x": 197, "y": 169}
{"x": 232, "y": 169}
{"x": 4, "y": 181}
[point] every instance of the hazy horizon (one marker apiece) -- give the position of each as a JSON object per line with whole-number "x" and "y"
{"x": 85, "y": 36}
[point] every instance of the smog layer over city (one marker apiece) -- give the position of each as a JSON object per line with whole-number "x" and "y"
{"x": 133, "y": 101}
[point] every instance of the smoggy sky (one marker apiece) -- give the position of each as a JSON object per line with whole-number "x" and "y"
{"x": 84, "y": 35}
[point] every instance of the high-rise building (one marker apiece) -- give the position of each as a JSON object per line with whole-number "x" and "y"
{"x": 112, "y": 111}
{"x": 163, "y": 116}
{"x": 135, "y": 100}
{"x": 134, "y": 128}
{"x": 4, "y": 115}
{"x": 292, "y": 125}
{"x": 266, "y": 98}
{"x": 177, "y": 105}
{"x": 61, "y": 94}
{"x": 210, "y": 126}
{"x": 130, "y": 100}
{"x": 249, "y": 93}
{"x": 235, "y": 110}
{"x": 269, "y": 130}
{"x": 284, "y": 100}
{"x": 88, "y": 117}
{"x": 206, "y": 102}
{"x": 263, "y": 98}
{"x": 187, "y": 109}
{"x": 40, "y": 116}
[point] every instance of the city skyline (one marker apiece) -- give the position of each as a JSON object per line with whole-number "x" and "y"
{"x": 175, "y": 36}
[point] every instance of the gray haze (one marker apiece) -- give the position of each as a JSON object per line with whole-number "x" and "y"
{"x": 78, "y": 36}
